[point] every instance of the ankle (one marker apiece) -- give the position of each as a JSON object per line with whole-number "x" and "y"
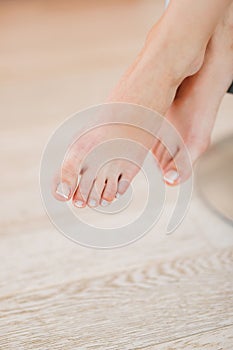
{"x": 181, "y": 58}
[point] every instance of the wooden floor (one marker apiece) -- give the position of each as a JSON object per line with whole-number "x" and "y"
{"x": 162, "y": 292}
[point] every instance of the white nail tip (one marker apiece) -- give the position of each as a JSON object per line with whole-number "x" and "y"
{"x": 171, "y": 176}
{"x": 104, "y": 203}
{"x": 92, "y": 203}
{"x": 63, "y": 190}
{"x": 79, "y": 204}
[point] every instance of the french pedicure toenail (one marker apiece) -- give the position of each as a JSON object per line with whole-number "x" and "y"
{"x": 104, "y": 203}
{"x": 79, "y": 204}
{"x": 171, "y": 176}
{"x": 92, "y": 203}
{"x": 63, "y": 190}
{"x": 122, "y": 186}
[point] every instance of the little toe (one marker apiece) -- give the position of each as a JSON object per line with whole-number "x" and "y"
{"x": 123, "y": 185}
{"x": 126, "y": 178}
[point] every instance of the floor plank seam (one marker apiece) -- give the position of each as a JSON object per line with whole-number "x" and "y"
{"x": 185, "y": 336}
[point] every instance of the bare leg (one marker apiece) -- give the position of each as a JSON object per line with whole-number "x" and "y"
{"x": 167, "y": 58}
{"x": 196, "y": 105}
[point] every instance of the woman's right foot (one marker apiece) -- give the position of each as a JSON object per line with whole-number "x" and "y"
{"x": 195, "y": 107}
{"x": 167, "y": 58}
{"x": 151, "y": 81}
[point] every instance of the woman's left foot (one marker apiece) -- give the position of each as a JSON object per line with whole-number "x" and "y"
{"x": 153, "y": 73}
{"x": 195, "y": 107}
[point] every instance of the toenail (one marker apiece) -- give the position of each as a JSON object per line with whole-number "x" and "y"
{"x": 122, "y": 186}
{"x": 104, "y": 203}
{"x": 171, "y": 176}
{"x": 92, "y": 203}
{"x": 79, "y": 204}
{"x": 63, "y": 190}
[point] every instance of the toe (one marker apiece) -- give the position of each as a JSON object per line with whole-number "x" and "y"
{"x": 65, "y": 181}
{"x": 178, "y": 169}
{"x": 97, "y": 191}
{"x": 158, "y": 151}
{"x": 171, "y": 176}
{"x": 165, "y": 159}
{"x": 78, "y": 199}
{"x": 126, "y": 178}
{"x": 81, "y": 195}
{"x": 123, "y": 186}
{"x": 110, "y": 190}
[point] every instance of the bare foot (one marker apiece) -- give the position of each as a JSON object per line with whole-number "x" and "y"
{"x": 195, "y": 107}
{"x": 166, "y": 59}
{"x": 151, "y": 81}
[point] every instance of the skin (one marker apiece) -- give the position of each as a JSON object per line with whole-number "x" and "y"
{"x": 185, "y": 91}
{"x": 195, "y": 107}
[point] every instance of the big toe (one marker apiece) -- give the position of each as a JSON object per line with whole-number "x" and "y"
{"x": 65, "y": 181}
{"x": 180, "y": 167}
